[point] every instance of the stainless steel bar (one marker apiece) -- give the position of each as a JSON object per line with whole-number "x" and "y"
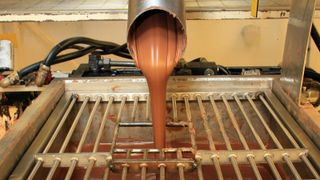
{"x": 35, "y": 170}
{"x": 134, "y": 109}
{"x": 310, "y": 166}
{"x": 53, "y": 137}
{"x": 103, "y": 122}
{"x": 235, "y": 123}
{"x": 66, "y": 158}
{"x": 153, "y": 150}
{"x": 225, "y": 136}
{"x": 205, "y": 124}
{"x": 116, "y": 129}
{"x": 291, "y": 166}
{"x": 115, "y": 134}
{"x": 83, "y": 137}
{"x": 68, "y": 137}
{"x": 71, "y": 168}
{"x": 241, "y": 137}
{"x": 174, "y": 107}
{"x": 292, "y": 140}
{"x": 148, "y": 108}
{"x": 235, "y": 164}
{"x": 254, "y": 132}
{"x": 274, "y": 138}
{"x": 125, "y": 167}
{"x": 53, "y": 169}
{"x": 144, "y": 166}
{"x": 56, "y": 132}
{"x": 73, "y": 126}
{"x": 162, "y": 166}
{"x": 89, "y": 122}
{"x": 106, "y": 173}
{"x": 273, "y": 167}
{"x": 264, "y": 123}
{"x": 199, "y": 170}
{"x": 258, "y": 139}
{"x": 149, "y": 124}
{"x": 212, "y": 147}
{"x": 220, "y": 123}
{"x": 284, "y": 129}
{"x": 97, "y": 142}
{"x": 89, "y": 168}
{"x": 191, "y": 129}
{"x": 242, "y": 155}
{"x": 180, "y": 166}
{"x": 216, "y": 163}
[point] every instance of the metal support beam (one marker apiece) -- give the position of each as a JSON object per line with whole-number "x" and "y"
{"x": 294, "y": 56}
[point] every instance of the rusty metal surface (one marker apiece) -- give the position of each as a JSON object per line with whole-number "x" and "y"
{"x": 20, "y": 136}
{"x": 295, "y": 51}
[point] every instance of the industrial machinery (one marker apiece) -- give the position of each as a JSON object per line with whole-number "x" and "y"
{"x": 247, "y": 126}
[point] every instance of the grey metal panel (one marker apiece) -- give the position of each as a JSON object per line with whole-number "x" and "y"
{"x": 294, "y": 56}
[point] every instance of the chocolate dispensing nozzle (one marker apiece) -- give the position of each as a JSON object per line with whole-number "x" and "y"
{"x": 138, "y": 9}
{"x": 156, "y": 41}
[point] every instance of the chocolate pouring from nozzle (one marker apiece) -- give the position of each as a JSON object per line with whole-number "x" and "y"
{"x": 137, "y": 8}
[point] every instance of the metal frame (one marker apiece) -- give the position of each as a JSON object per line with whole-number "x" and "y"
{"x": 180, "y": 89}
{"x": 21, "y": 135}
{"x": 295, "y": 51}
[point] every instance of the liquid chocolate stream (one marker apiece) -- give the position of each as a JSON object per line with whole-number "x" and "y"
{"x": 157, "y": 45}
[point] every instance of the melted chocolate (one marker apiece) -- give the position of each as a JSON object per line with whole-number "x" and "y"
{"x": 157, "y": 44}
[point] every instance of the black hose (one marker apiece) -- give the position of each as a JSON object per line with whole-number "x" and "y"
{"x": 310, "y": 73}
{"x": 94, "y": 46}
{"x": 315, "y": 36}
{"x": 106, "y": 46}
{"x": 60, "y": 59}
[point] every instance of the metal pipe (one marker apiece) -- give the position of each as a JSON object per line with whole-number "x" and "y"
{"x": 97, "y": 142}
{"x": 134, "y": 110}
{"x": 257, "y": 137}
{"x": 225, "y": 137}
{"x": 148, "y": 107}
{"x": 191, "y": 129}
{"x": 116, "y": 129}
{"x": 241, "y": 137}
{"x": 53, "y": 137}
{"x": 138, "y": 9}
{"x": 83, "y": 138}
{"x": 162, "y": 166}
{"x": 149, "y": 124}
{"x": 180, "y": 166}
{"x": 144, "y": 166}
{"x": 174, "y": 107}
{"x": 125, "y": 167}
{"x": 292, "y": 140}
{"x": 273, "y": 137}
{"x": 68, "y": 137}
{"x": 206, "y": 126}
{"x": 233, "y": 159}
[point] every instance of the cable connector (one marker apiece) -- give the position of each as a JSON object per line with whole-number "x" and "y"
{"x": 42, "y": 75}
{"x": 11, "y": 79}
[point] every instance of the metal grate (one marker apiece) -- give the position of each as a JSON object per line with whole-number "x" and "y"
{"x": 209, "y": 136}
